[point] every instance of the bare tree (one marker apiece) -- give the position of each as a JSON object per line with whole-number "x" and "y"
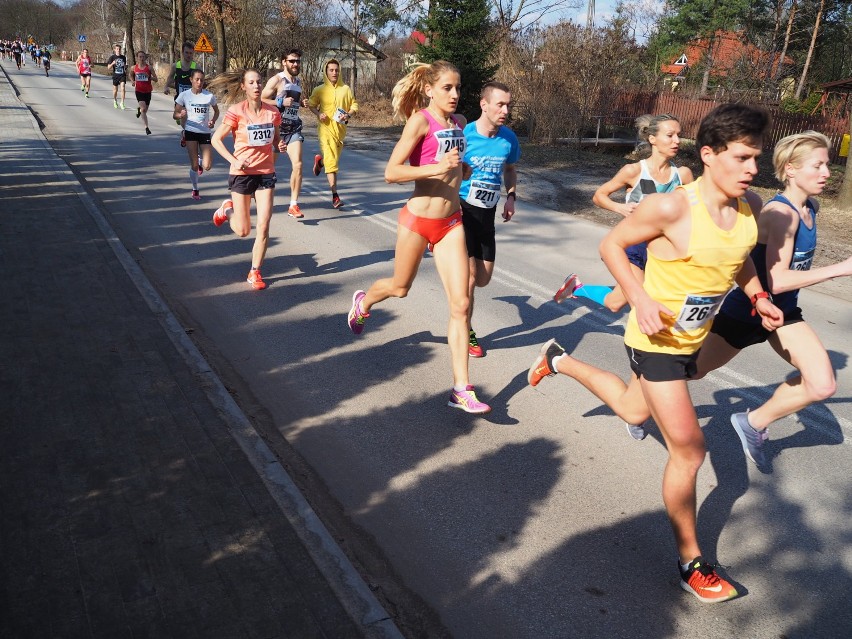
{"x": 811, "y": 48}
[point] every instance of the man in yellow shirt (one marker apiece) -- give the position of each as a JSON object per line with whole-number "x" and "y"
{"x": 334, "y": 104}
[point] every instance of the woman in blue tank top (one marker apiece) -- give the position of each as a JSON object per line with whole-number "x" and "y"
{"x": 783, "y": 255}
{"x": 656, "y": 174}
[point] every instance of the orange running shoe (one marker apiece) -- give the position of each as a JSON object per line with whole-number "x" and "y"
{"x": 571, "y": 284}
{"x": 541, "y": 367}
{"x": 317, "y": 164}
{"x": 474, "y": 348}
{"x": 254, "y": 278}
{"x": 702, "y": 581}
{"x": 295, "y": 211}
{"x": 220, "y": 217}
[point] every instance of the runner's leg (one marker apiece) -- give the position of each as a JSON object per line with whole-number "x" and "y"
{"x": 294, "y": 152}
{"x": 407, "y": 256}
{"x": 263, "y": 200}
{"x": 240, "y": 219}
{"x": 192, "y": 152}
{"x": 206, "y": 157}
{"x": 452, "y": 263}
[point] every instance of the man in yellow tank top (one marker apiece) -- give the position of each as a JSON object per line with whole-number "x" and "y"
{"x": 699, "y": 239}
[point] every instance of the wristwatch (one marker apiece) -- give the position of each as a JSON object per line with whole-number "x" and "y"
{"x": 511, "y": 194}
{"x": 763, "y": 295}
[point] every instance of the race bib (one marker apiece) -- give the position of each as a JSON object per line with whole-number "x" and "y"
{"x": 697, "y": 310}
{"x": 291, "y": 112}
{"x": 198, "y": 113}
{"x": 119, "y": 67}
{"x": 340, "y": 116}
{"x": 483, "y": 194}
{"x": 141, "y": 77}
{"x": 449, "y": 139}
{"x": 802, "y": 260}
{"x": 260, "y": 134}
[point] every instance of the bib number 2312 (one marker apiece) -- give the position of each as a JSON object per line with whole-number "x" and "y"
{"x": 259, "y": 134}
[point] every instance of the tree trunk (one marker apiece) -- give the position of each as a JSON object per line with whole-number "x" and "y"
{"x": 705, "y": 79}
{"x": 130, "y": 14}
{"x": 221, "y": 46}
{"x": 810, "y": 51}
{"x": 783, "y": 55}
{"x": 173, "y": 33}
{"x": 181, "y": 20}
{"x": 844, "y": 198}
{"x": 355, "y": 35}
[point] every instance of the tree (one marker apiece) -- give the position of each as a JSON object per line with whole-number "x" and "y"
{"x": 460, "y": 32}
{"x": 366, "y": 17}
{"x": 804, "y": 75}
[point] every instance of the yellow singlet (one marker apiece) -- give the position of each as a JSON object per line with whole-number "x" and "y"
{"x": 693, "y": 287}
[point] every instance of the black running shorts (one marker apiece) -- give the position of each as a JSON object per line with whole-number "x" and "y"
{"x": 479, "y": 231}
{"x": 662, "y": 367}
{"x": 741, "y": 334}
{"x": 248, "y": 184}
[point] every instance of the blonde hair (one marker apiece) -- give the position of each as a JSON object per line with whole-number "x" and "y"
{"x": 648, "y": 125}
{"x": 228, "y": 86}
{"x": 794, "y": 149}
{"x": 409, "y": 94}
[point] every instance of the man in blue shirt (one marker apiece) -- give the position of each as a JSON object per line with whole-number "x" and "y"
{"x": 492, "y": 152}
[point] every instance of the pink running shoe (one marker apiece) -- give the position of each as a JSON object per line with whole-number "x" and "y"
{"x": 571, "y": 284}
{"x": 220, "y": 216}
{"x": 356, "y": 315}
{"x": 466, "y": 400}
{"x": 195, "y": 194}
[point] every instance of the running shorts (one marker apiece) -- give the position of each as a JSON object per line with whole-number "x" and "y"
{"x": 192, "y": 136}
{"x": 662, "y": 367}
{"x": 638, "y": 254}
{"x": 85, "y": 75}
{"x": 143, "y": 97}
{"x": 479, "y": 232}
{"x": 119, "y": 79}
{"x": 741, "y": 334}
{"x": 295, "y": 136}
{"x": 431, "y": 229}
{"x": 248, "y": 184}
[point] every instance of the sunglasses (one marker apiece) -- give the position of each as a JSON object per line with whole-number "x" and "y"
{"x": 294, "y": 61}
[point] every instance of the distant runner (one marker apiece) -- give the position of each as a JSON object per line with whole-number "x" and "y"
{"x": 84, "y": 68}
{"x": 117, "y": 63}
{"x": 143, "y": 78}
{"x": 194, "y": 107}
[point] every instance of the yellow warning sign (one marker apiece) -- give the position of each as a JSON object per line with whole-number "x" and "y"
{"x": 203, "y": 45}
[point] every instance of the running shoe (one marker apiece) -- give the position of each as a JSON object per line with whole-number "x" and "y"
{"x": 335, "y": 201}
{"x": 466, "y": 400}
{"x": 317, "y": 164}
{"x": 147, "y": 131}
{"x": 637, "y": 432}
{"x": 356, "y": 315}
{"x": 220, "y": 216}
{"x": 752, "y": 439}
{"x": 87, "y": 95}
{"x": 195, "y": 194}
{"x": 255, "y": 280}
{"x": 701, "y": 580}
{"x": 473, "y": 347}
{"x": 115, "y": 104}
{"x": 571, "y": 284}
{"x": 82, "y": 86}
{"x": 295, "y": 211}
{"x": 541, "y": 367}
{"x": 183, "y": 138}
{"x": 138, "y": 111}
{"x": 123, "y": 108}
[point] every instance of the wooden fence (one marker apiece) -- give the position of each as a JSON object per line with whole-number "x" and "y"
{"x": 691, "y": 110}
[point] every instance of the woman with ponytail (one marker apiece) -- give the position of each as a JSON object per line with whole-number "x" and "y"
{"x": 433, "y": 146}
{"x": 255, "y": 127}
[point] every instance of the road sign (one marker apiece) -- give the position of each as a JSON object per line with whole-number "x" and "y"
{"x": 81, "y": 38}
{"x": 203, "y": 45}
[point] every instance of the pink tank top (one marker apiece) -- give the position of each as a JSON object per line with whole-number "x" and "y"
{"x": 438, "y": 141}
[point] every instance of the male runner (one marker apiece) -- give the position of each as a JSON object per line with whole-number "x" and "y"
{"x": 84, "y": 68}
{"x": 118, "y": 64}
{"x": 45, "y": 56}
{"x": 334, "y": 104}
{"x": 284, "y": 90}
{"x": 194, "y": 107}
{"x": 179, "y": 78}
{"x": 18, "y": 52}
{"x": 492, "y": 152}
{"x": 699, "y": 239}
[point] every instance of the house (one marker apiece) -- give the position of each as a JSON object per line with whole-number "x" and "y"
{"x": 409, "y": 48}
{"x": 730, "y": 50}
{"x": 338, "y": 42}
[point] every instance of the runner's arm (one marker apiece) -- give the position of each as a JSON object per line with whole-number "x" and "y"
{"x": 398, "y": 172}
{"x": 170, "y": 80}
{"x": 685, "y": 175}
{"x": 215, "y": 115}
{"x": 510, "y": 179}
{"x": 625, "y": 178}
{"x": 217, "y": 141}
{"x": 269, "y": 90}
{"x": 748, "y": 281}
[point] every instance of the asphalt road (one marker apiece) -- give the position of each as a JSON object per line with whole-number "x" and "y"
{"x": 541, "y": 519}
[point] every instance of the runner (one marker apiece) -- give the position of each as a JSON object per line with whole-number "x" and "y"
{"x": 118, "y": 64}
{"x": 657, "y": 174}
{"x": 255, "y": 127}
{"x": 18, "y": 53}
{"x": 786, "y": 243}
{"x": 45, "y": 56}
{"x": 492, "y": 152}
{"x": 699, "y": 239}
{"x": 179, "y": 78}
{"x": 193, "y": 107}
{"x": 284, "y": 90}
{"x": 333, "y": 104}
{"x": 37, "y": 55}
{"x": 143, "y": 78}
{"x": 433, "y": 144}
{"x": 84, "y": 68}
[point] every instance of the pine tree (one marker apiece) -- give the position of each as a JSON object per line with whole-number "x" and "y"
{"x": 460, "y": 32}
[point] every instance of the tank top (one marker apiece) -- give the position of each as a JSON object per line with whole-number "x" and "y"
{"x": 438, "y": 141}
{"x": 650, "y": 185}
{"x": 84, "y": 65}
{"x": 142, "y": 76}
{"x": 287, "y": 88}
{"x": 182, "y": 82}
{"x": 739, "y": 307}
{"x": 694, "y": 287}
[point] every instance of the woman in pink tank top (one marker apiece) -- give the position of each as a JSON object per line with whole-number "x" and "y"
{"x": 433, "y": 145}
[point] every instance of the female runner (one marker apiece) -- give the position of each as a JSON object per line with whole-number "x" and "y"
{"x": 656, "y": 174}
{"x": 433, "y": 144}
{"x": 142, "y": 77}
{"x": 786, "y": 243}
{"x": 84, "y": 68}
{"x": 255, "y": 127}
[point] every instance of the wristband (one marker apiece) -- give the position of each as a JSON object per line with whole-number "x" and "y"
{"x": 511, "y": 194}
{"x": 763, "y": 295}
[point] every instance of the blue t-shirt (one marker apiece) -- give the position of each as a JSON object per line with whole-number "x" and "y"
{"x": 487, "y": 156}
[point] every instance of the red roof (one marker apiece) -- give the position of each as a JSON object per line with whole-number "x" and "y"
{"x": 730, "y": 47}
